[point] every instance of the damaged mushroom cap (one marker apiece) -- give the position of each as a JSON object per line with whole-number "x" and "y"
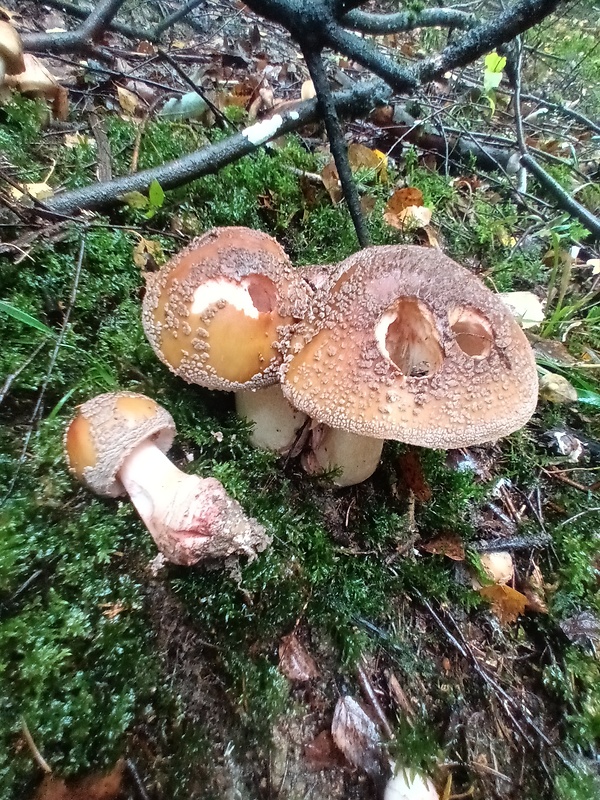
{"x": 409, "y": 345}
{"x": 106, "y": 430}
{"x": 219, "y": 313}
{"x": 11, "y": 51}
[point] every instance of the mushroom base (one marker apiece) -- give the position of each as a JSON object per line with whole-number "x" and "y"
{"x": 276, "y": 421}
{"x": 189, "y": 518}
{"x": 355, "y": 457}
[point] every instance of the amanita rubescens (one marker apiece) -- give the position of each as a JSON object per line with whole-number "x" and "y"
{"x": 116, "y": 445}
{"x": 406, "y": 344}
{"x": 220, "y": 314}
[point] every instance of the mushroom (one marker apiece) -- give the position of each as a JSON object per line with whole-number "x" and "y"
{"x": 116, "y": 445}
{"x": 220, "y": 314}
{"x": 11, "y": 51}
{"x": 407, "y": 345}
{"x": 34, "y": 80}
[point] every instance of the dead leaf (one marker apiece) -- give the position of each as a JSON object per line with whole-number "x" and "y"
{"x": 557, "y": 389}
{"x": 99, "y": 786}
{"x": 39, "y": 191}
{"x": 307, "y": 92}
{"x": 526, "y": 307}
{"x": 594, "y": 263}
{"x": 322, "y": 753}
{"x": 582, "y": 629}
{"x": 362, "y": 157}
{"x": 127, "y": 100}
{"x": 331, "y": 181}
{"x": 356, "y": 735}
{"x": 405, "y": 209}
{"x": 148, "y": 254}
{"x": 446, "y": 544}
{"x": 367, "y": 204}
{"x": 507, "y": 604}
{"x": 551, "y": 350}
{"x": 295, "y": 662}
{"x": 76, "y": 139}
{"x": 498, "y": 566}
{"x": 410, "y": 471}
{"x": 399, "y": 696}
{"x": 112, "y": 610}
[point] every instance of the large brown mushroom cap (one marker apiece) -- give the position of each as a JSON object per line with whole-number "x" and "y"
{"x": 106, "y": 430}
{"x": 219, "y": 313}
{"x": 11, "y": 49}
{"x": 409, "y": 345}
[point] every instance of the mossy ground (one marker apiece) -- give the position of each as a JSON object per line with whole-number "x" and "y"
{"x": 180, "y": 670}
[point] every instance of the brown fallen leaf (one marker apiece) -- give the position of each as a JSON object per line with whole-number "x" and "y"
{"x": 99, "y": 786}
{"x": 322, "y": 753}
{"x": 127, "y": 100}
{"x": 411, "y": 476}
{"x": 295, "y": 662}
{"x": 357, "y": 736}
{"x": 446, "y": 544}
{"x": 507, "y": 604}
{"x": 148, "y": 254}
{"x": 331, "y": 181}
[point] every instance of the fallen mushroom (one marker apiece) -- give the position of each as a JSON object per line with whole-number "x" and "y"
{"x": 220, "y": 315}
{"x": 11, "y": 52}
{"x": 116, "y": 445}
{"x": 407, "y": 345}
{"x": 34, "y": 80}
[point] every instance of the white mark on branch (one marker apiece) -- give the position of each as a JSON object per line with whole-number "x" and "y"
{"x": 294, "y": 115}
{"x": 261, "y": 132}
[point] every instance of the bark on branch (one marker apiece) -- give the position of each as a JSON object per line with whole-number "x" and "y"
{"x": 381, "y": 24}
{"x": 82, "y": 38}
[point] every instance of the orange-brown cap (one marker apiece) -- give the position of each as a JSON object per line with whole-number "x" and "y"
{"x": 219, "y": 313}
{"x": 409, "y": 345}
{"x": 11, "y": 49}
{"x": 106, "y": 430}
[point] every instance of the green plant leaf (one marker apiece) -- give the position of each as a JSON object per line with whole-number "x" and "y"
{"x": 588, "y": 397}
{"x": 135, "y": 200}
{"x": 156, "y": 194}
{"x": 492, "y": 74}
{"x": 25, "y": 318}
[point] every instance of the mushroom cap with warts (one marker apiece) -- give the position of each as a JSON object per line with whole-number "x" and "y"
{"x": 219, "y": 314}
{"x": 11, "y": 49}
{"x": 409, "y": 345}
{"x": 106, "y": 430}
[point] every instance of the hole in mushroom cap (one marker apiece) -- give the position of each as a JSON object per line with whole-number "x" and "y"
{"x": 262, "y": 291}
{"x": 473, "y": 332}
{"x": 407, "y": 335}
{"x": 254, "y": 295}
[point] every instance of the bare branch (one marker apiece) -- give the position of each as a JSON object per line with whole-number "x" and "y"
{"x": 82, "y": 38}
{"x": 381, "y": 24}
{"x": 83, "y": 12}
{"x": 210, "y": 159}
{"x": 562, "y": 198}
{"x": 171, "y": 20}
{"x": 337, "y": 143}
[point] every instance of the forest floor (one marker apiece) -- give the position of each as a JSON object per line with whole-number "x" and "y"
{"x": 185, "y": 672}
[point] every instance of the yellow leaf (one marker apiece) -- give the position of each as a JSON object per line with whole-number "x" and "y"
{"x": 361, "y": 157}
{"x": 148, "y": 253}
{"x": 507, "y": 604}
{"x": 127, "y": 100}
{"x": 39, "y": 191}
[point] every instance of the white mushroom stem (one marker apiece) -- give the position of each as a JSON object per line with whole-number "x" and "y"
{"x": 355, "y": 456}
{"x": 2, "y": 70}
{"x": 182, "y": 512}
{"x": 276, "y": 421}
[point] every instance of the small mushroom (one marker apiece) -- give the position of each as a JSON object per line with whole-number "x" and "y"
{"x": 220, "y": 315}
{"x": 408, "y": 345}
{"x": 11, "y": 51}
{"x": 116, "y": 445}
{"x": 34, "y": 80}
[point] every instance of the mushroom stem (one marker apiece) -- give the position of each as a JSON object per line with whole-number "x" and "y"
{"x": 182, "y": 512}
{"x": 2, "y": 70}
{"x": 276, "y": 421}
{"x": 356, "y": 456}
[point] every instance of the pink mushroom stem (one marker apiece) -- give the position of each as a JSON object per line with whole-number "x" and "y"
{"x": 182, "y": 512}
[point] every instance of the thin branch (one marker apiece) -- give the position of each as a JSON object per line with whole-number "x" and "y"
{"x": 382, "y": 24}
{"x": 171, "y": 20}
{"x": 562, "y": 198}
{"x": 82, "y": 38}
{"x": 210, "y": 159}
{"x": 337, "y": 143}
{"x": 83, "y": 12}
